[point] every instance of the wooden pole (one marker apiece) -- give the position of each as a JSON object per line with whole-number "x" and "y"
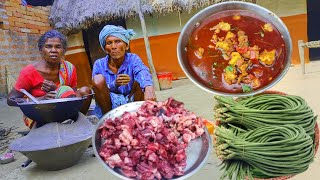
{"x": 301, "y": 54}
{"x": 147, "y": 44}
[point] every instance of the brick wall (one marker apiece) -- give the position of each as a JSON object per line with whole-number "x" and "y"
{"x": 20, "y": 28}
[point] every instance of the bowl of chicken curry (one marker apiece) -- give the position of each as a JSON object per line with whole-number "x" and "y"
{"x": 235, "y": 49}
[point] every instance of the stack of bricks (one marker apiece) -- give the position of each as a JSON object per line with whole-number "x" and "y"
{"x": 20, "y": 28}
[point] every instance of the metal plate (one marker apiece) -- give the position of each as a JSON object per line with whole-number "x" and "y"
{"x": 197, "y": 151}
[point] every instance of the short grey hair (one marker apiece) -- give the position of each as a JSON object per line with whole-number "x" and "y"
{"x": 52, "y": 34}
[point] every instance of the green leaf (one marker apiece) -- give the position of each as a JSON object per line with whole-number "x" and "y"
{"x": 246, "y": 88}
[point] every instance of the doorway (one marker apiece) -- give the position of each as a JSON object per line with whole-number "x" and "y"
{"x": 91, "y": 39}
{"x": 313, "y": 27}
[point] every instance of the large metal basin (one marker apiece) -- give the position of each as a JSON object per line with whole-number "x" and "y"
{"x": 55, "y": 110}
{"x": 58, "y": 158}
{"x": 56, "y": 146}
{"x": 220, "y": 7}
{"x": 197, "y": 151}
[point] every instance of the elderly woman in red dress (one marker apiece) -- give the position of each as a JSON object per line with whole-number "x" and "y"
{"x": 52, "y": 77}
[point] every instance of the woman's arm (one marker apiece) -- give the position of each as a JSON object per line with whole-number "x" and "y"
{"x": 12, "y": 97}
{"x": 149, "y": 93}
{"x": 143, "y": 76}
{"x": 16, "y": 96}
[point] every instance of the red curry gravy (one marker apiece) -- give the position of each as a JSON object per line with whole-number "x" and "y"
{"x": 235, "y": 51}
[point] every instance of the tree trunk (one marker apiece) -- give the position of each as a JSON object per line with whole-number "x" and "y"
{"x": 147, "y": 44}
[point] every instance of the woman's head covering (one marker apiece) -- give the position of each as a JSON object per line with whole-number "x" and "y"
{"x": 117, "y": 31}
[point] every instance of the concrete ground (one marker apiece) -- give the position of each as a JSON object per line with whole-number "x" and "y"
{"x": 196, "y": 100}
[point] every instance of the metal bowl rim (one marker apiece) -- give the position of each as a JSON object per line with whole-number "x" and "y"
{"x": 180, "y": 48}
{"x": 139, "y": 103}
{"x": 52, "y": 101}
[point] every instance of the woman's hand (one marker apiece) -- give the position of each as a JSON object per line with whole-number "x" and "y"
{"x": 149, "y": 93}
{"x": 122, "y": 79}
{"x": 49, "y": 95}
{"x": 48, "y": 86}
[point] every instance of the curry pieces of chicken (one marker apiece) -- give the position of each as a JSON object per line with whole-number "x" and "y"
{"x": 235, "y": 48}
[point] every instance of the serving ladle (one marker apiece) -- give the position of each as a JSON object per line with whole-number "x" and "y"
{"x": 30, "y": 96}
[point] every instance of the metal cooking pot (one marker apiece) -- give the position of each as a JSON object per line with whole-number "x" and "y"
{"x": 217, "y": 8}
{"x": 55, "y": 110}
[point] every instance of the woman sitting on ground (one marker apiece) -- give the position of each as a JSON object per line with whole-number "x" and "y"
{"x": 120, "y": 77}
{"x": 52, "y": 77}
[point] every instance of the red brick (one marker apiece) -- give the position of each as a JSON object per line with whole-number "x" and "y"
{"x": 9, "y": 13}
{"x": 45, "y": 20}
{"x": 3, "y": 53}
{"x": 16, "y": 1}
{"x": 32, "y": 26}
{"x": 44, "y": 28}
{"x": 27, "y": 17}
{"x": 42, "y": 32}
{"x": 12, "y": 19}
{"x": 7, "y": 3}
{"x": 31, "y": 21}
{"x": 36, "y": 14}
{"x": 17, "y": 14}
{"x": 4, "y": 46}
{"x": 35, "y": 31}
{"x": 25, "y": 30}
{"x": 12, "y": 60}
{"x": 23, "y": 20}
{"x": 22, "y": 10}
{"x": 40, "y": 23}
{"x": 18, "y": 19}
{"x": 35, "y": 18}
{"x": 37, "y": 10}
{"x": 30, "y": 13}
{"x": 14, "y": 46}
{"x": 12, "y": 9}
{"x": 4, "y": 26}
{"x": 15, "y": 5}
{"x": 11, "y": 22}
{"x": 19, "y": 24}
{"x": 14, "y": 28}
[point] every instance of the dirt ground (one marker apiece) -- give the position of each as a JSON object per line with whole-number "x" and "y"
{"x": 195, "y": 99}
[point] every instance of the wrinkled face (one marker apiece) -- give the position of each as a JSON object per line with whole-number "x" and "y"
{"x": 116, "y": 48}
{"x": 52, "y": 51}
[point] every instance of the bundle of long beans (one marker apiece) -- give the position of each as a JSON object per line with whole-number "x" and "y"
{"x": 264, "y": 136}
{"x": 264, "y": 152}
{"x": 266, "y": 109}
